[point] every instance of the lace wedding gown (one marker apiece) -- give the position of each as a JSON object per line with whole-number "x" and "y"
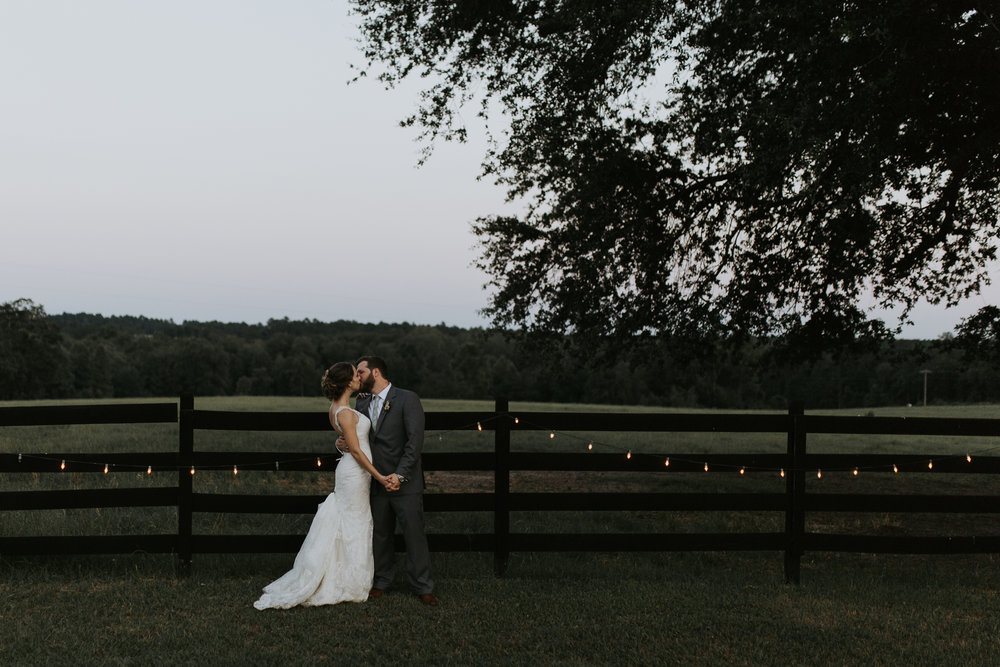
{"x": 335, "y": 562}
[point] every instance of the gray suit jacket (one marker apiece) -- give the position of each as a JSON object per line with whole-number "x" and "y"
{"x": 397, "y": 440}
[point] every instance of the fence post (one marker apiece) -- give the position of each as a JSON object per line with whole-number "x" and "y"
{"x": 185, "y": 482}
{"x": 501, "y": 488}
{"x": 795, "y": 480}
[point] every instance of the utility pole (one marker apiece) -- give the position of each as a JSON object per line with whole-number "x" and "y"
{"x": 925, "y": 374}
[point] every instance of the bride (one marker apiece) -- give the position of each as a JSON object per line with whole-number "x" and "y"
{"x": 335, "y": 562}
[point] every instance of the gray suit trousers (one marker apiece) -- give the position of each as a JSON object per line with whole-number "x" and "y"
{"x": 408, "y": 509}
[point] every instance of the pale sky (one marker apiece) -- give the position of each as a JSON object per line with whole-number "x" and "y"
{"x": 207, "y": 160}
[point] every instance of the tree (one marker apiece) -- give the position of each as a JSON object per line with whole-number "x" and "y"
{"x": 978, "y": 336}
{"x": 716, "y": 165}
{"x": 32, "y": 358}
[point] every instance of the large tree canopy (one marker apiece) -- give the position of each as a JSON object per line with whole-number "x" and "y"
{"x": 741, "y": 166}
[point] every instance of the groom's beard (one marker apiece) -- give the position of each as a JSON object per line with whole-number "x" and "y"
{"x": 368, "y": 385}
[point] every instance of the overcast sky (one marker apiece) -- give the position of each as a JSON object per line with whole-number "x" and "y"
{"x": 207, "y": 160}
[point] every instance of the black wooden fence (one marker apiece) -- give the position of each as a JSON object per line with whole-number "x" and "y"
{"x": 796, "y": 466}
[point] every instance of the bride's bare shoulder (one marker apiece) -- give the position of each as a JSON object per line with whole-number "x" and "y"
{"x": 347, "y": 417}
{"x": 341, "y": 415}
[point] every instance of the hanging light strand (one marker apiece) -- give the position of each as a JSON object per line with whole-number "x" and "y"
{"x": 67, "y": 463}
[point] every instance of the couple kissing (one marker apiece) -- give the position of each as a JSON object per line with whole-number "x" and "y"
{"x": 348, "y": 554}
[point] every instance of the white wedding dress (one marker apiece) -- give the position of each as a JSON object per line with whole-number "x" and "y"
{"x": 335, "y": 563}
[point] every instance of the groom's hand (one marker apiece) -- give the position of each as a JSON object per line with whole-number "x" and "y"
{"x": 342, "y": 445}
{"x": 393, "y": 482}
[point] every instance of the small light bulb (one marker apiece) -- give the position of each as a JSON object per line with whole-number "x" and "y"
{"x": 667, "y": 462}
{"x": 62, "y": 466}
{"x": 552, "y": 435}
{"x": 192, "y": 470}
{"x": 781, "y": 472}
{"x": 742, "y": 470}
{"x": 516, "y": 420}
{"x": 895, "y": 468}
{"x": 706, "y": 466}
{"x": 479, "y": 426}
{"x": 930, "y": 464}
{"x": 276, "y": 466}
{"x": 149, "y": 470}
{"x": 18, "y": 457}
{"x": 819, "y": 474}
{"x": 319, "y": 462}
{"x": 968, "y": 457}
{"x": 235, "y": 471}
{"x": 855, "y": 471}
{"x": 106, "y": 468}
{"x": 628, "y": 454}
{"x": 590, "y": 445}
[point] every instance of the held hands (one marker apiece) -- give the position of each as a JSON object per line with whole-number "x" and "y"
{"x": 391, "y": 482}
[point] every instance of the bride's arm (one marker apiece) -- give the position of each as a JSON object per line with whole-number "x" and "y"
{"x": 349, "y": 424}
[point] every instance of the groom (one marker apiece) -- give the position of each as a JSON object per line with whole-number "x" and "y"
{"x": 397, "y": 438}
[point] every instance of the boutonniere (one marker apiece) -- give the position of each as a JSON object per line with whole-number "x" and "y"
{"x": 385, "y": 408}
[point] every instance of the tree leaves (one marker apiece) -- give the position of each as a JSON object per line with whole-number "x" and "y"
{"x": 731, "y": 166}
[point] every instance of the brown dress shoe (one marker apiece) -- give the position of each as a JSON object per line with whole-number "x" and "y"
{"x": 429, "y": 599}
{"x": 375, "y": 593}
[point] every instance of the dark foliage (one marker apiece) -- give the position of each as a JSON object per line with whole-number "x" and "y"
{"x": 90, "y": 356}
{"x": 32, "y": 358}
{"x": 717, "y": 167}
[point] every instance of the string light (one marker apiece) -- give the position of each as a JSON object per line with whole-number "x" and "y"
{"x": 782, "y": 472}
{"x": 855, "y": 471}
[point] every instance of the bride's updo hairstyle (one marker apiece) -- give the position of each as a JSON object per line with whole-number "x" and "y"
{"x": 336, "y": 379}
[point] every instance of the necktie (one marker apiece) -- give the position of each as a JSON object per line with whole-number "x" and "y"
{"x": 376, "y": 403}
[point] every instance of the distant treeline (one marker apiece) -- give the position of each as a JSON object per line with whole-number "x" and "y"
{"x": 91, "y": 356}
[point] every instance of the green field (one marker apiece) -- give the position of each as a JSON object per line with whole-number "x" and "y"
{"x": 562, "y": 608}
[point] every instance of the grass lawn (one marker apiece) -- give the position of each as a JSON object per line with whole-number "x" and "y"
{"x": 550, "y": 608}
{"x": 590, "y": 609}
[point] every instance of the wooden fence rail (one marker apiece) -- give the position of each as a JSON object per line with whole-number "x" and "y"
{"x": 794, "y": 503}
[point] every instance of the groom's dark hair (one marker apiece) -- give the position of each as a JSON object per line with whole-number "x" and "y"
{"x": 376, "y": 362}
